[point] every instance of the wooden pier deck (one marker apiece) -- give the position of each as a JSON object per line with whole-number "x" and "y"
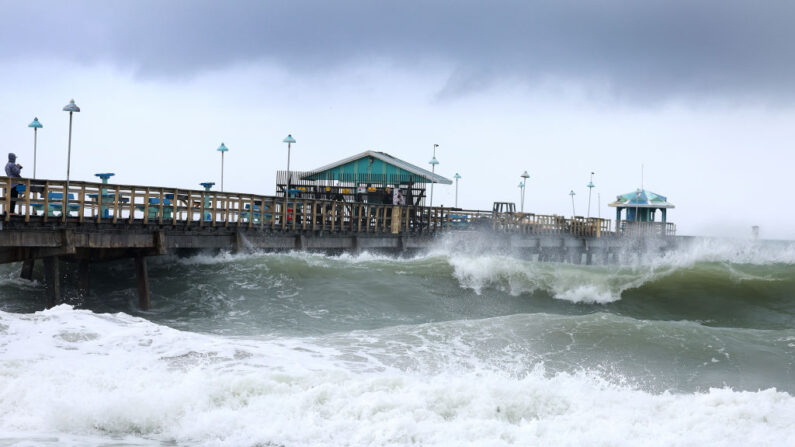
{"x": 109, "y": 221}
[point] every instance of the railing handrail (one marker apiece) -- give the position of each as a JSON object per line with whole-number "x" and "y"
{"x": 111, "y": 202}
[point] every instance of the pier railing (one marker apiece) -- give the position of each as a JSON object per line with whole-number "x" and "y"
{"x": 48, "y": 201}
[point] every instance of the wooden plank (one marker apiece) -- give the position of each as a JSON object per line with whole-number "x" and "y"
{"x": 132, "y": 205}
{"x": 251, "y": 211}
{"x": 314, "y": 214}
{"x": 46, "y": 200}
{"x": 116, "y": 204}
{"x": 189, "y": 218}
{"x": 215, "y": 209}
{"x": 82, "y": 203}
{"x": 28, "y": 193}
{"x": 284, "y": 213}
{"x": 333, "y": 215}
{"x": 7, "y": 188}
{"x": 161, "y": 206}
{"x": 295, "y": 212}
{"x": 174, "y": 207}
{"x": 323, "y": 216}
{"x": 203, "y": 208}
{"x": 146, "y": 206}
{"x": 303, "y": 214}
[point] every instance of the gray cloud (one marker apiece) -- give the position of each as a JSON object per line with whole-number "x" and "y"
{"x": 639, "y": 51}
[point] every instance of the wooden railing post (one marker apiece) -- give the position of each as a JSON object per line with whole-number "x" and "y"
{"x": 116, "y": 204}
{"x": 28, "y": 193}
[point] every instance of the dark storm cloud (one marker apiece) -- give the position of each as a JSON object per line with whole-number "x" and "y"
{"x": 638, "y": 50}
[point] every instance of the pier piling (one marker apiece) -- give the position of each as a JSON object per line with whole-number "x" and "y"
{"x": 27, "y": 269}
{"x": 52, "y": 280}
{"x": 142, "y": 277}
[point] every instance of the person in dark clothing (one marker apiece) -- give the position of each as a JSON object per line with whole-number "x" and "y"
{"x": 13, "y": 170}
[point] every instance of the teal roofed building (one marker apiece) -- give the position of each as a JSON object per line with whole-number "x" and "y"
{"x": 364, "y": 177}
{"x": 641, "y": 206}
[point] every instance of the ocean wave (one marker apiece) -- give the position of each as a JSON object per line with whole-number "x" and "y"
{"x": 73, "y": 373}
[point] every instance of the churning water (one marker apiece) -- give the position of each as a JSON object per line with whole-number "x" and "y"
{"x": 452, "y": 347}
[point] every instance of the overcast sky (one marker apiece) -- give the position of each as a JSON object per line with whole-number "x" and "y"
{"x": 701, "y": 93}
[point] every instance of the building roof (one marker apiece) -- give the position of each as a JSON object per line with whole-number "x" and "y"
{"x": 641, "y": 198}
{"x": 347, "y": 170}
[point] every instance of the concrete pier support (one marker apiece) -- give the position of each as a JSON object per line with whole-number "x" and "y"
{"x": 142, "y": 277}
{"x": 27, "y": 269}
{"x": 83, "y": 278}
{"x": 52, "y": 281}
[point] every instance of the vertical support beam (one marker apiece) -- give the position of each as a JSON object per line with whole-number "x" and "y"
{"x": 27, "y": 269}
{"x": 52, "y": 280}
{"x": 240, "y": 242}
{"x": 83, "y": 278}
{"x": 357, "y": 248}
{"x": 142, "y": 277}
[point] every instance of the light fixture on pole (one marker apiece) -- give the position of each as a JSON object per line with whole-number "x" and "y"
{"x": 222, "y": 149}
{"x": 71, "y": 108}
{"x": 590, "y": 188}
{"x": 289, "y": 140}
{"x": 524, "y": 176}
{"x": 36, "y": 125}
{"x": 457, "y": 178}
{"x": 572, "y": 203}
{"x": 433, "y": 164}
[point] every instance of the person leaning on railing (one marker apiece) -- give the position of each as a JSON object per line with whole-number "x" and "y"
{"x": 13, "y": 170}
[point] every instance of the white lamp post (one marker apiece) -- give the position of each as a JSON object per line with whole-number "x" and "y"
{"x": 222, "y": 149}
{"x": 457, "y": 178}
{"x": 572, "y": 203}
{"x": 524, "y": 176}
{"x": 590, "y": 188}
{"x": 289, "y": 140}
{"x": 433, "y": 164}
{"x": 36, "y": 125}
{"x": 71, "y": 108}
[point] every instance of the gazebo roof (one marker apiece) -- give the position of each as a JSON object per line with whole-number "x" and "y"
{"x": 373, "y": 165}
{"x": 641, "y": 198}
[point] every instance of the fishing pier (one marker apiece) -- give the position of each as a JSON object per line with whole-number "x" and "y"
{"x": 95, "y": 222}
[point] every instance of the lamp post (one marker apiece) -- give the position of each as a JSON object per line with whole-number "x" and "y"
{"x": 289, "y": 140}
{"x": 524, "y": 176}
{"x": 71, "y": 108}
{"x": 36, "y": 125}
{"x": 457, "y": 178}
{"x": 222, "y": 149}
{"x": 572, "y": 203}
{"x": 521, "y": 193}
{"x": 433, "y": 164}
{"x": 590, "y": 188}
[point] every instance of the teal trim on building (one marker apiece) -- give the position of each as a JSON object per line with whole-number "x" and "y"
{"x": 374, "y": 167}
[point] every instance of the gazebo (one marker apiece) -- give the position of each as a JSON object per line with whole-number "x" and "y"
{"x": 641, "y": 206}
{"x": 364, "y": 177}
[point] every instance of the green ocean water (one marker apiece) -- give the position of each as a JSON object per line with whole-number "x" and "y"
{"x": 711, "y": 315}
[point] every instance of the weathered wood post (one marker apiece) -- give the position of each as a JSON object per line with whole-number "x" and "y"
{"x": 27, "y": 269}
{"x": 142, "y": 277}
{"x": 52, "y": 280}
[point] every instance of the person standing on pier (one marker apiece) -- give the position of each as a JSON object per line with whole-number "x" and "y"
{"x": 13, "y": 170}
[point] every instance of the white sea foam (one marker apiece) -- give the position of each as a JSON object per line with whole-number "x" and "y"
{"x": 71, "y": 375}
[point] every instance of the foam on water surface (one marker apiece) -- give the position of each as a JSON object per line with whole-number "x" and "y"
{"x": 73, "y": 375}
